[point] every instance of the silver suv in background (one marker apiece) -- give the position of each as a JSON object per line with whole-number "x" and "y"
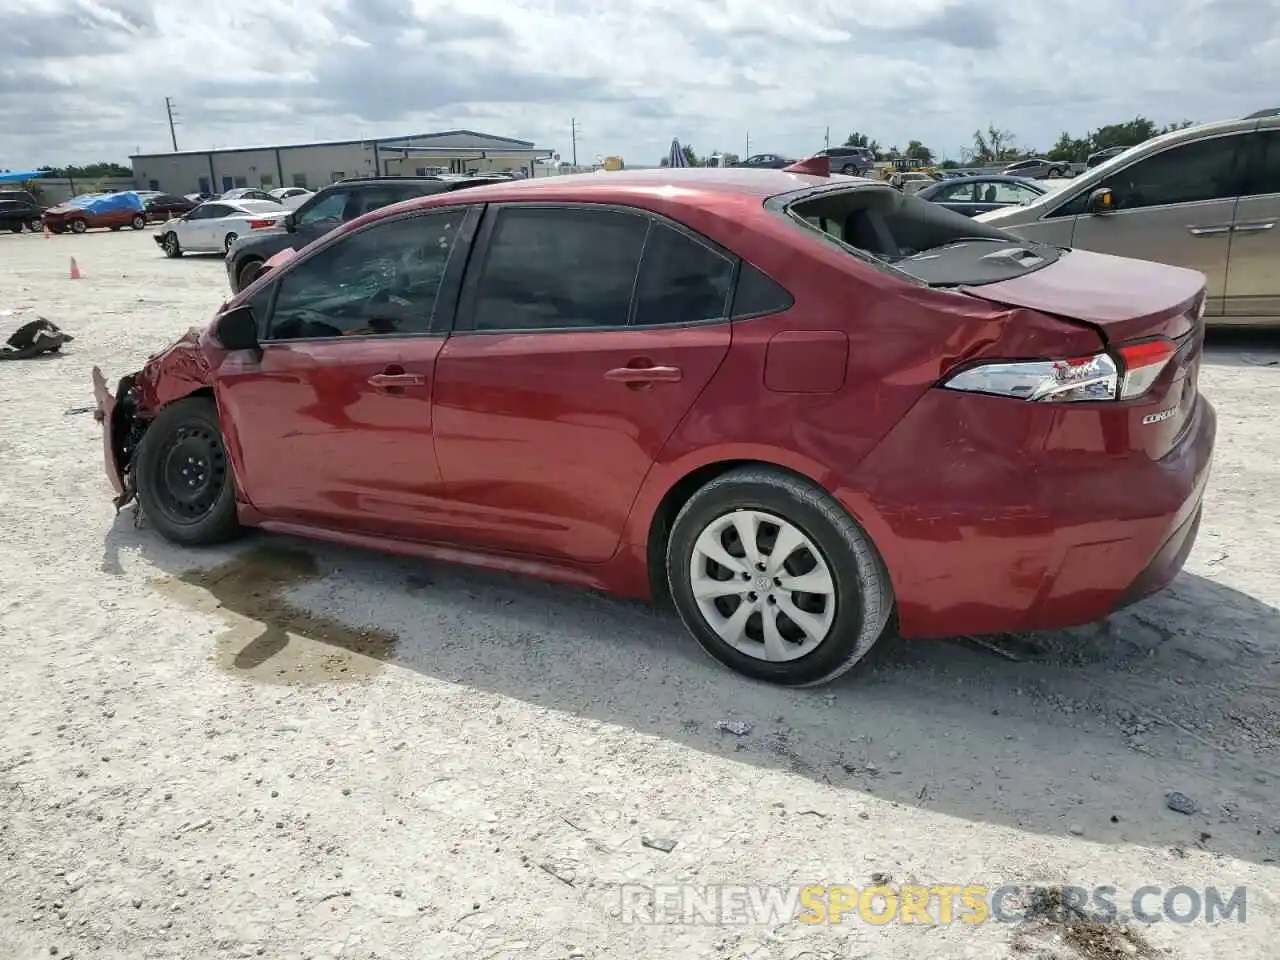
{"x": 1206, "y": 197}
{"x": 854, "y": 161}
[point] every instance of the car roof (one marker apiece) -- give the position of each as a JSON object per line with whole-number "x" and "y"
{"x": 694, "y": 185}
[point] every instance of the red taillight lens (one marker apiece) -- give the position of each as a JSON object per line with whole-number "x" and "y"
{"x": 1141, "y": 365}
{"x": 259, "y": 224}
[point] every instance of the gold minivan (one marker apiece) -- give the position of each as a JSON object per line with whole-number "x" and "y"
{"x": 1206, "y": 197}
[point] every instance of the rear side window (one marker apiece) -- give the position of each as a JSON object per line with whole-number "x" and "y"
{"x": 1264, "y": 171}
{"x": 757, "y": 295}
{"x": 681, "y": 280}
{"x": 557, "y": 268}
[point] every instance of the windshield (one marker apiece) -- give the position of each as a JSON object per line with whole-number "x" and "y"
{"x": 922, "y": 240}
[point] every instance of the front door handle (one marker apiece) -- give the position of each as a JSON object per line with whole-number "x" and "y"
{"x": 644, "y": 375}
{"x": 1256, "y": 227}
{"x": 384, "y": 380}
{"x": 1211, "y": 231}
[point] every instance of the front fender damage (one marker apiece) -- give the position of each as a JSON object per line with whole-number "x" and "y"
{"x": 169, "y": 376}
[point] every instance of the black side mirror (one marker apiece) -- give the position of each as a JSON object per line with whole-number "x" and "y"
{"x": 237, "y": 329}
{"x": 290, "y": 223}
{"x": 1100, "y": 201}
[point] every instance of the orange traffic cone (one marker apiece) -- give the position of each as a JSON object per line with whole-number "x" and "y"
{"x": 75, "y": 269}
{"x": 48, "y": 234}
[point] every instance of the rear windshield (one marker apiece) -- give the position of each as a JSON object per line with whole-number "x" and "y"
{"x": 927, "y": 242}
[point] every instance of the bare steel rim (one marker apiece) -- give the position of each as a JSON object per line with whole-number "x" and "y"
{"x": 763, "y": 585}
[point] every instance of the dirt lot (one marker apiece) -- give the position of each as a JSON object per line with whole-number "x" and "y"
{"x": 289, "y": 751}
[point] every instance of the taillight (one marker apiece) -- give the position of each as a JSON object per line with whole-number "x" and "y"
{"x": 259, "y": 224}
{"x": 1124, "y": 375}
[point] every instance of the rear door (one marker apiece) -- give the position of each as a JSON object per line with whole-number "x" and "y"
{"x": 1253, "y": 274}
{"x": 196, "y": 232}
{"x": 1175, "y": 207}
{"x": 333, "y": 423}
{"x": 585, "y": 333}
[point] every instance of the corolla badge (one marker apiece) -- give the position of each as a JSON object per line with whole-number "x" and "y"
{"x": 1158, "y": 417}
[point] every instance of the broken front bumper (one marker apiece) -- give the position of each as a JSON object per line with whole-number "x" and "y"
{"x": 111, "y": 413}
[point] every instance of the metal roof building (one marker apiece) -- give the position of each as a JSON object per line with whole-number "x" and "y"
{"x": 312, "y": 165}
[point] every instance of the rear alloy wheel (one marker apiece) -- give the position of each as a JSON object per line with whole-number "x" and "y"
{"x": 228, "y": 241}
{"x": 774, "y": 579}
{"x": 138, "y": 222}
{"x": 172, "y": 249}
{"x": 849, "y": 169}
{"x": 35, "y": 226}
{"x": 184, "y": 478}
{"x": 79, "y": 226}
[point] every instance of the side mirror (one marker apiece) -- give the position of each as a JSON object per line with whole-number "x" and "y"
{"x": 1100, "y": 201}
{"x": 237, "y": 329}
{"x": 290, "y": 223}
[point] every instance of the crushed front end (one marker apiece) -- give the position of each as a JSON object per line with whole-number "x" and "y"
{"x": 122, "y": 428}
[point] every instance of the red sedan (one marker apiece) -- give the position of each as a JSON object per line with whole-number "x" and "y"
{"x": 801, "y": 405}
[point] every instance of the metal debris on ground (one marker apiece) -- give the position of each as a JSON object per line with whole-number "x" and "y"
{"x": 658, "y": 843}
{"x": 739, "y": 728}
{"x": 1179, "y": 803}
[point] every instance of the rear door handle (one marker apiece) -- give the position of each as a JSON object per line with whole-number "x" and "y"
{"x": 1256, "y": 227}
{"x": 1210, "y": 231}
{"x": 644, "y": 375}
{"x": 384, "y": 380}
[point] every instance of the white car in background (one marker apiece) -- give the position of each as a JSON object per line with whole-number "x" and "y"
{"x": 214, "y": 226}
{"x": 291, "y": 197}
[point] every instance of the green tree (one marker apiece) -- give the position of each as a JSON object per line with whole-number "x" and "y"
{"x": 92, "y": 171}
{"x": 857, "y": 139}
{"x": 918, "y": 151}
{"x": 993, "y": 145}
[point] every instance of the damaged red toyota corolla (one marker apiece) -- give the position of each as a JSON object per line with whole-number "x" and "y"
{"x": 804, "y": 405}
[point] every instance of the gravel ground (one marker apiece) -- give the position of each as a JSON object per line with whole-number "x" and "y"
{"x": 288, "y": 750}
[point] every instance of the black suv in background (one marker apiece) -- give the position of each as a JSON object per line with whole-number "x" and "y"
{"x": 331, "y": 206}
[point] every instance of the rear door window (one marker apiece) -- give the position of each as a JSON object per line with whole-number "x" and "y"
{"x": 1263, "y": 175}
{"x": 321, "y": 209}
{"x": 557, "y": 268}
{"x": 681, "y": 280}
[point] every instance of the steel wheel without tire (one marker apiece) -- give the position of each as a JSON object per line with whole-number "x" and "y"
{"x": 170, "y": 245}
{"x": 774, "y": 579}
{"x": 226, "y": 244}
{"x": 185, "y": 485}
{"x": 138, "y": 222}
{"x": 79, "y": 226}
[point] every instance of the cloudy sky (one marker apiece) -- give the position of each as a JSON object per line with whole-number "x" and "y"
{"x": 85, "y": 80}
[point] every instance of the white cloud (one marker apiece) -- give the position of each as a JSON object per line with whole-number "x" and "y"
{"x": 82, "y": 80}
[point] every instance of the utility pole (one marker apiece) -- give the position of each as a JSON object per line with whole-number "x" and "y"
{"x": 168, "y": 109}
{"x": 826, "y": 139}
{"x": 748, "y": 153}
{"x": 573, "y": 137}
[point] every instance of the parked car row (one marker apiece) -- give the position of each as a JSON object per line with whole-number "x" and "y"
{"x": 699, "y": 375}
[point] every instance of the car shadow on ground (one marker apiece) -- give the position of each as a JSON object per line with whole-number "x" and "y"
{"x": 1082, "y": 732}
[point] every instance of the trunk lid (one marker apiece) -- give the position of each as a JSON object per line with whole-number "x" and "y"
{"x": 1123, "y": 298}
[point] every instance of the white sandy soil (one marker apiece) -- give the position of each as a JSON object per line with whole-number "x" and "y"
{"x": 320, "y": 752}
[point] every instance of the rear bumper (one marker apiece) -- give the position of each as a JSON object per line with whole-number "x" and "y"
{"x": 1014, "y": 538}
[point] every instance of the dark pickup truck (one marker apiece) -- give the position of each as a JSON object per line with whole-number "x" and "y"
{"x": 331, "y": 206}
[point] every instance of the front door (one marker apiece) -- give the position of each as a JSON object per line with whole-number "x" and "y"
{"x": 1173, "y": 207}
{"x": 1253, "y": 275}
{"x": 585, "y": 337}
{"x": 332, "y": 424}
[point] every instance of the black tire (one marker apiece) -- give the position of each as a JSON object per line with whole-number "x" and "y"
{"x": 863, "y": 594}
{"x": 139, "y": 222}
{"x": 849, "y": 169}
{"x": 35, "y": 226}
{"x": 186, "y": 436}
{"x": 115, "y": 228}
{"x": 79, "y": 226}
{"x": 227, "y": 241}
{"x": 171, "y": 247}
{"x": 247, "y": 273}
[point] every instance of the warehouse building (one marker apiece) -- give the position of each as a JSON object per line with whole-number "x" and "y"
{"x": 313, "y": 165}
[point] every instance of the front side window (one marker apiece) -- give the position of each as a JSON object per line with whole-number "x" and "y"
{"x": 556, "y": 268}
{"x": 959, "y": 193}
{"x": 1264, "y": 171}
{"x": 1013, "y": 193}
{"x": 380, "y": 281}
{"x": 328, "y": 207}
{"x": 1209, "y": 169}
